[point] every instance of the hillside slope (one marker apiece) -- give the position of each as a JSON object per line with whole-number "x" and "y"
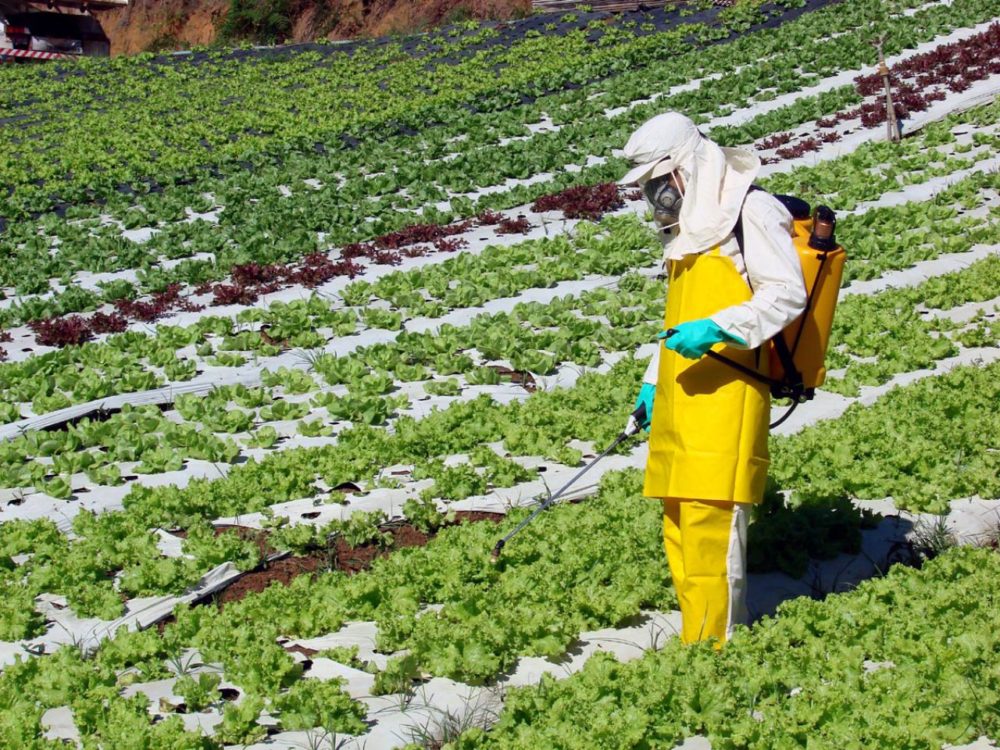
{"x": 176, "y": 24}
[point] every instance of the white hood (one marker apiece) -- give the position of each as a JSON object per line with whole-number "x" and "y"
{"x": 716, "y": 178}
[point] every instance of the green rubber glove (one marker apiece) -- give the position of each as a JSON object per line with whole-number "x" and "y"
{"x": 696, "y": 337}
{"x": 645, "y": 398}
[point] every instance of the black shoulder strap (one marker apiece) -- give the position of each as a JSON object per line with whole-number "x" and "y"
{"x": 738, "y": 231}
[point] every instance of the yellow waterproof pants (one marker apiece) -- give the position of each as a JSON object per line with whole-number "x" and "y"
{"x": 705, "y": 541}
{"x": 708, "y": 455}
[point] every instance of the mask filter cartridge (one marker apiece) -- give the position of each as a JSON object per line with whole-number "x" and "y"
{"x": 665, "y": 199}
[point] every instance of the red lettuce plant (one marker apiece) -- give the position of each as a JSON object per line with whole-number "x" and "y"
{"x": 108, "y": 323}
{"x": 582, "y": 201}
{"x": 157, "y": 306}
{"x": 520, "y": 225}
{"x": 489, "y": 218}
{"x": 234, "y": 294}
{"x": 450, "y": 245}
{"x": 72, "y": 329}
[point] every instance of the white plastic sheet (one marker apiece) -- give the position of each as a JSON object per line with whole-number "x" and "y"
{"x": 87, "y": 633}
{"x": 921, "y": 271}
{"x": 648, "y": 631}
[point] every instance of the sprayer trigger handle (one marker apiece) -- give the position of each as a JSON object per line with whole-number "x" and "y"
{"x": 635, "y": 421}
{"x": 640, "y": 413}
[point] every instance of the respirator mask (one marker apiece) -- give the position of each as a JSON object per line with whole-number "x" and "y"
{"x": 665, "y": 199}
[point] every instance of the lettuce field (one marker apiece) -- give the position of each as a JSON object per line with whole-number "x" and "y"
{"x": 291, "y": 336}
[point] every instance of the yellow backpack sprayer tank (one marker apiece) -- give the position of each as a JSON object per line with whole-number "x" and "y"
{"x": 807, "y": 338}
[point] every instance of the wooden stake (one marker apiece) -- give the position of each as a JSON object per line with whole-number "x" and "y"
{"x": 891, "y": 124}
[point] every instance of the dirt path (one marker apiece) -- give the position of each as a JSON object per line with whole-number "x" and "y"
{"x": 159, "y": 25}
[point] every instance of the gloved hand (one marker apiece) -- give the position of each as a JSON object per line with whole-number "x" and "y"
{"x": 645, "y": 398}
{"x": 694, "y": 338}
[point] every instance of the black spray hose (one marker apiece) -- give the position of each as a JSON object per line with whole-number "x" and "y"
{"x": 786, "y": 415}
{"x": 638, "y": 417}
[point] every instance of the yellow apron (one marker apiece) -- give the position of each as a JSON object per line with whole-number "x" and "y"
{"x": 708, "y": 439}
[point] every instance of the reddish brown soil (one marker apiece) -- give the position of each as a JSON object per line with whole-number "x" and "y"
{"x": 282, "y": 571}
{"x": 162, "y": 24}
{"x": 343, "y": 557}
{"x": 306, "y": 652}
{"x": 352, "y": 559}
{"x": 522, "y": 378}
{"x": 177, "y": 24}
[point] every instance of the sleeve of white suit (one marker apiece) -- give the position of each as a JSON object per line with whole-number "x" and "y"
{"x": 653, "y": 369}
{"x": 774, "y": 271}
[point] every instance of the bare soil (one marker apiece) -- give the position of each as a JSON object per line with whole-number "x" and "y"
{"x": 163, "y": 25}
{"x": 281, "y": 571}
{"x": 519, "y": 377}
{"x": 341, "y": 557}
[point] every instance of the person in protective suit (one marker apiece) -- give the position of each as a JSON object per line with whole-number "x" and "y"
{"x": 708, "y": 455}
